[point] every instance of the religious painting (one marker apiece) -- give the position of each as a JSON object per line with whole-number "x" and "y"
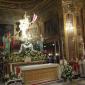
{"x": 5, "y": 29}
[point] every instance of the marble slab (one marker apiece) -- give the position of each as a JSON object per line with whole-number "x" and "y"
{"x": 39, "y": 66}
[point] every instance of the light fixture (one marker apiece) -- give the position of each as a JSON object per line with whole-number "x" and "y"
{"x": 69, "y": 23}
{"x": 50, "y": 54}
{"x": 53, "y": 44}
{"x": 44, "y": 46}
{"x": 57, "y": 54}
{"x": 69, "y": 26}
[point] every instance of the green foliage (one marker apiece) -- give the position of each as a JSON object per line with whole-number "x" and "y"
{"x": 67, "y": 72}
{"x": 12, "y": 75}
{"x": 34, "y": 55}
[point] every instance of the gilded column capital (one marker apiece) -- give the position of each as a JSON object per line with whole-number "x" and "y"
{"x": 72, "y": 6}
{"x": 67, "y": 6}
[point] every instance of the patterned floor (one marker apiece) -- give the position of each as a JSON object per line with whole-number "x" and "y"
{"x": 74, "y": 82}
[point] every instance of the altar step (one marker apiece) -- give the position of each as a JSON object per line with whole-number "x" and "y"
{"x": 79, "y": 81}
{"x": 46, "y": 82}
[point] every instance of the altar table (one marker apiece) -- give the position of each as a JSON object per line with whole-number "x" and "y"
{"x": 39, "y": 73}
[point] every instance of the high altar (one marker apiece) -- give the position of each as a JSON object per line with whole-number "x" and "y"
{"x": 29, "y": 61}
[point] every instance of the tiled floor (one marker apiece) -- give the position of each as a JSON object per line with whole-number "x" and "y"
{"x": 74, "y": 82}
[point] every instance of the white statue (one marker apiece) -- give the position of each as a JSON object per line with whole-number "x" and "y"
{"x": 25, "y": 46}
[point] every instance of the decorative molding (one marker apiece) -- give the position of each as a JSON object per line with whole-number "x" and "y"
{"x": 67, "y": 6}
{"x": 19, "y": 4}
{"x": 72, "y": 6}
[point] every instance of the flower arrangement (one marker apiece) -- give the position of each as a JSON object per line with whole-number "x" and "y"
{"x": 67, "y": 72}
{"x": 34, "y": 55}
